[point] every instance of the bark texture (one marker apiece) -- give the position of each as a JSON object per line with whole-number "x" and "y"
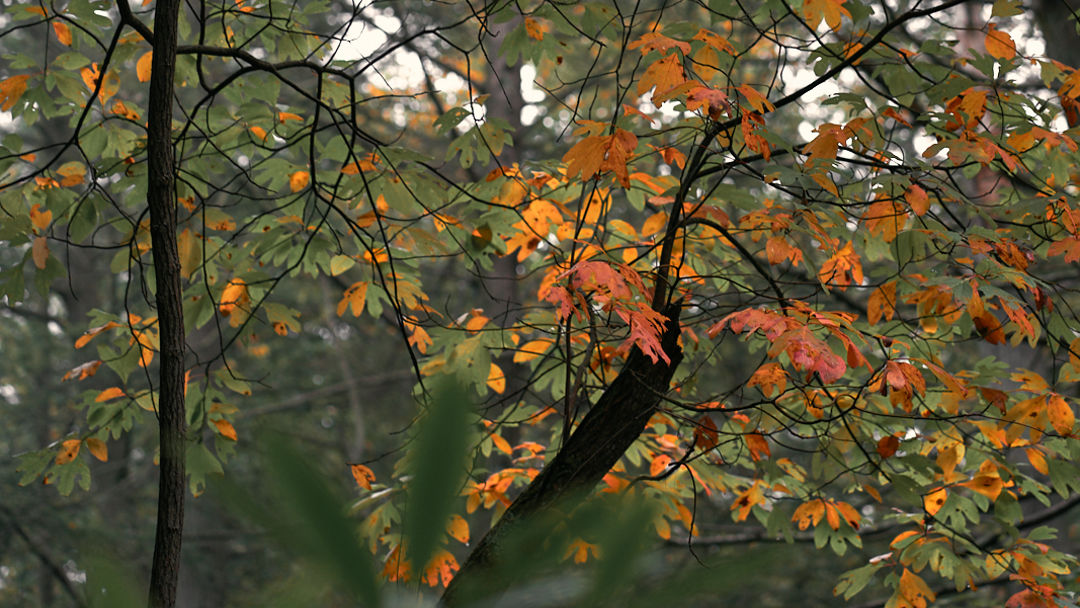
{"x": 161, "y": 199}
{"x": 605, "y": 433}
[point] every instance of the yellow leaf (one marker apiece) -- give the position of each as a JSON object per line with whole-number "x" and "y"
{"x": 299, "y": 180}
{"x": 999, "y": 44}
{"x": 11, "y": 89}
{"x": 933, "y": 501}
{"x": 496, "y": 379}
{"x": 68, "y": 451}
{"x": 142, "y": 70}
{"x": 40, "y": 252}
{"x": 225, "y": 428}
{"x": 363, "y": 475}
{"x": 914, "y": 590}
{"x": 458, "y": 529}
{"x": 98, "y": 448}
{"x": 109, "y": 393}
{"x": 63, "y": 32}
{"x": 531, "y": 350}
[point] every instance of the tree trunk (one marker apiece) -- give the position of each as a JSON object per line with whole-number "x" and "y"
{"x": 161, "y": 199}
{"x": 605, "y": 433}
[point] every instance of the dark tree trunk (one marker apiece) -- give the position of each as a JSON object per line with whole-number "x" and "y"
{"x": 161, "y": 198}
{"x": 605, "y": 433}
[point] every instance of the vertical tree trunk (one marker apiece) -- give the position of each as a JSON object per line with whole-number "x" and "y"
{"x": 161, "y": 198}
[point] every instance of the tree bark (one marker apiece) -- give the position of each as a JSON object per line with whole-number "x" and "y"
{"x": 161, "y": 199}
{"x": 605, "y": 433}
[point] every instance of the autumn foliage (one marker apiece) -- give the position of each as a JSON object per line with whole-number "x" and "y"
{"x": 871, "y": 232}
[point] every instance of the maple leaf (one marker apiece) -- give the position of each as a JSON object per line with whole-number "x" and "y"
{"x": 771, "y": 378}
{"x": 598, "y": 153}
{"x": 882, "y": 303}
{"x": 999, "y": 44}
{"x": 843, "y": 268}
{"x": 353, "y": 299}
{"x": 363, "y": 475}
{"x": 715, "y": 41}
{"x": 1068, "y": 246}
{"x": 914, "y": 590}
{"x": 11, "y": 89}
{"x": 655, "y": 41}
{"x": 832, "y": 11}
{"x": 662, "y": 75}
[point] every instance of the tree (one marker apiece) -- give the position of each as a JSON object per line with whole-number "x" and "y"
{"x": 805, "y": 266}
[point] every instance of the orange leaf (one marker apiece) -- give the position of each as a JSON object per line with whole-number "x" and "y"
{"x": 91, "y": 333}
{"x": 1061, "y": 415}
{"x": 234, "y": 296}
{"x": 40, "y": 252}
{"x": 933, "y": 501}
{"x": 809, "y": 513}
{"x": 458, "y": 529}
{"x": 598, "y": 153}
{"x": 989, "y": 328}
{"x": 532, "y": 349}
{"x": 662, "y": 75}
{"x": 917, "y": 198}
{"x": 40, "y": 218}
{"x": 258, "y": 132}
{"x": 142, "y": 72}
{"x": 68, "y": 451}
{"x": 299, "y": 180}
{"x": 659, "y": 464}
{"x": 770, "y": 378}
{"x": 98, "y": 448}
{"x": 363, "y": 475}
{"x": 11, "y": 89}
{"x": 82, "y": 372}
{"x": 914, "y": 590}
{"x": 887, "y": 446}
{"x": 496, "y": 381}
{"x": 832, "y": 11}
{"x": 109, "y": 393}
{"x": 759, "y": 448}
{"x": 842, "y": 269}
{"x": 63, "y": 32}
{"x": 759, "y": 102}
{"x": 225, "y": 428}
{"x": 882, "y": 303}
{"x": 534, "y": 29}
{"x": 353, "y": 298}
{"x": 999, "y": 44}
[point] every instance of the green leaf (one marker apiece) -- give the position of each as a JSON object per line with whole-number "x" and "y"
{"x": 437, "y": 464}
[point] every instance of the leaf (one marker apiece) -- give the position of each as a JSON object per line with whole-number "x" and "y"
{"x": 93, "y": 332}
{"x": 496, "y": 380}
{"x": 225, "y": 428}
{"x": 437, "y": 458}
{"x": 759, "y": 102}
{"x": 69, "y": 450}
{"x": 142, "y": 72}
{"x": 914, "y": 590}
{"x": 299, "y": 180}
{"x": 63, "y": 32}
{"x": 598, "y": 153}
{"x": 933, "y": 501}
{"x": 458, "y": 529}
{"x": 353, "y": 299}
{"x": 917, "y": 199}
{"x": 40, "y": 252}
{"x": 832, "y": 11}
{"x": 887, "y": 446}
{"x": 809, "y": 513}
{"x": 532, "y": 349}
{"x": 11, "y": 89}
{"x": 842, "y": 269}
{"x": 999, "y": 44}
{"x": 1061, "y": 414}
{"x": 108, "y": 394}
{"x": 235, "y": 296}
{"x": 98, "y": 448}
{"x": 770, "y": 378}
{"x": 363, "y": 475}
{"x": 882, "y": 303}
{"x": 759, "y": 447}
{"x": 661, "y": 76}
{"x": 655, "y": 41}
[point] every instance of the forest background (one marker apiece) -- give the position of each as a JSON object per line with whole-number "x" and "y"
{"x": 729, "y": 275}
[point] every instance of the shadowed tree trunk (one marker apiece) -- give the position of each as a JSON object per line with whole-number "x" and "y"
{"x": 161, "y": 199}
{"x": 605, "y": 433}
